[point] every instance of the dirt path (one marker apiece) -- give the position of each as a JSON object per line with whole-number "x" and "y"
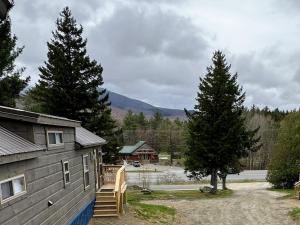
{"x": 251, "y": 204}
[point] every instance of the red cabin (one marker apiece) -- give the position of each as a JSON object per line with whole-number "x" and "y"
{"x": 141, "y": 151}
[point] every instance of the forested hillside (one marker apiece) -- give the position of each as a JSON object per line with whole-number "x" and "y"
{"x": 123, "y": 103}
{"x": 169, "y": 136}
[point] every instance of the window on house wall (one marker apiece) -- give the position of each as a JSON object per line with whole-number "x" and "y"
{"x": 12, "y": 188}
{"x": 86, "y": 172}
{"x": 55, "y": 138}
{"x": 66, "y": 171}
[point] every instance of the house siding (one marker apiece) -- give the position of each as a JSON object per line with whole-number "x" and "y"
{"x": 44, "y": 182}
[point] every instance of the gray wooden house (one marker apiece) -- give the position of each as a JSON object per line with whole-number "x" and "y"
{"x": 51, "y": 171}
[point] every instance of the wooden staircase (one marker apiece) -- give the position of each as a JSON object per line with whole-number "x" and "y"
{"x": 106, "y": 204}
{"x": 110, "y": 199}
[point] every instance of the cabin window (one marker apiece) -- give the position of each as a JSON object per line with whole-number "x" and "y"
{"x": 86, "y": 172}
{"x": 55, "y": 138}
{"x": 12, "y": 188}
{"x": 66, "y": 171}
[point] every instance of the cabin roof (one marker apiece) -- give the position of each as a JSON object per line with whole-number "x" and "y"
{"x": 38, "y": 118}
{"x": 86, "y": 138}
{"x": 11, "y": 144}
{"x": 128, "y": 149}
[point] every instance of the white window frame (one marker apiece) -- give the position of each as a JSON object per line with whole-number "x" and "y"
{"x": 86, "y": 171}
{"x": 66, "y": 172}
{"x": 2, "y": 201}
{"x": 55, "y": 132}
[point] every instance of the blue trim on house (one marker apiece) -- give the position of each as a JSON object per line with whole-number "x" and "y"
{"x": 84, "y": 215}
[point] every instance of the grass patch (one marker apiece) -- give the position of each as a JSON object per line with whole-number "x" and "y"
{"x": 153, "y": 212}
{"x": 168, "y": 195}
{"x": 295, "y": 213}
{"x": 143, "y": 171}
{"x": 164, "y": 214}
{"x": 290, "y": 193}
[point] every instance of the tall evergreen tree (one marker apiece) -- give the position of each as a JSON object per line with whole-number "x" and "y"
{"x": 70, "y": 82}
{"x": 11, "y": 84}
{"x": 217, "y": 132}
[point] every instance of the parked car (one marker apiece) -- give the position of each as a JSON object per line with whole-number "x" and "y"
{"x": 136, "y": 163}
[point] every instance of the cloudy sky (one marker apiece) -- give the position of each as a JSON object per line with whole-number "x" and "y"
{"x": 156, "y": 50}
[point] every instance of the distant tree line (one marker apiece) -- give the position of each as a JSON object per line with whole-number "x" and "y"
{"x": 169, "y": 136}
{"x": 163, "y": 134}
{"x": 269, "y": 122}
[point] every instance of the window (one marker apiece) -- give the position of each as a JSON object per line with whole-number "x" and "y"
{"x": 55, "y": 138}
{"x": 66, "y": 171}
{"x": 86, "y": 176}
{"x": 12, "y": 188}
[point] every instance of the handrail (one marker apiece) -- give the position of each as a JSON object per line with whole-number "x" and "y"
{"x": 110, "y": 172}
{"x": 120, "y": 180}
{"x": 118, "y": 177}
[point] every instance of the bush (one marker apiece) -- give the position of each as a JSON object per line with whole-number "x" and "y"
{"x": 284, "y": 168}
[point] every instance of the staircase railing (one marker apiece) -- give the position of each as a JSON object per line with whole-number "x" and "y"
{"x": 120, "y": 188}
{"x": 109, "y": 173}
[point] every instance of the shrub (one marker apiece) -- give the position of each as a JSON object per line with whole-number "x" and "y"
{"x": 284, "y": 167}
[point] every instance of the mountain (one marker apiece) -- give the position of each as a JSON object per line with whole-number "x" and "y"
{"x": 121, "y": 104}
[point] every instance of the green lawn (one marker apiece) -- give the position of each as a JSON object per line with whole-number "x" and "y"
{"x": 168, "y": 195}
{"x": 153, "y": 212}
{"x": 162, "y": 213}
{"x": 295, "y": 213}
{"x": 290, "y": 193}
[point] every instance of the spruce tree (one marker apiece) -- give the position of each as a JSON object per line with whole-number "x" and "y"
{"x": 217, "y": 134}
{"x": 70, "y": 83}
{"x": 11, "y": 83}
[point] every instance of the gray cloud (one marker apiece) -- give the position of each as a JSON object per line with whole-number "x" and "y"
{"x": 144, "y": 32}
{"x": 253, "y": 70}
{"x": 156, "y": 50}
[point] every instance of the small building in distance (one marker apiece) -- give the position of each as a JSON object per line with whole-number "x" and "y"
{"x": 141, "y": 151}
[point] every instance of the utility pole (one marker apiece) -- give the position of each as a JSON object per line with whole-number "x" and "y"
{"x": 171, "y": 147}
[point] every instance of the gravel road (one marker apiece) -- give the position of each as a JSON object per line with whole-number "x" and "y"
{"x": 173, "y": 174}
{"x": 250, "y": 204}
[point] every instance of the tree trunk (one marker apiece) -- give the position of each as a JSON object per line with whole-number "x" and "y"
{"x": 224, "y": 182}
{"x": 214, "y": 181}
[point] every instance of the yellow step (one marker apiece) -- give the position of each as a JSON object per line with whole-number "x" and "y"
{"x": 101, "y": 202}
{"x": 105, "y": 194}
{"x": 106, "y": 215}
{"x": 105, "y": 211}
{"x": 105, "y": 198}
{"x": 107, "y": 206}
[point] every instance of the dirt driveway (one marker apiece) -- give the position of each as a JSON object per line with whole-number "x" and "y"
{"x": 250, "y": 204}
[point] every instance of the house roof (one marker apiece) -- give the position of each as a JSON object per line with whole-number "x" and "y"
{"x": 86, "y": 138}
{"x": 38, "y": 118}
{"x": 11, "y": 144}
{"x": 131, "y": 148}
